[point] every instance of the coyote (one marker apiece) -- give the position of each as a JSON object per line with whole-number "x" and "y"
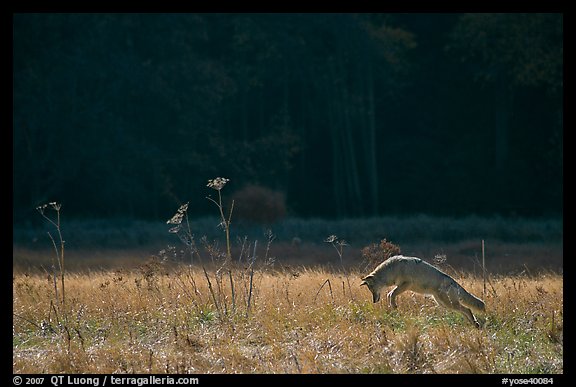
{"x": 411, "y": 273}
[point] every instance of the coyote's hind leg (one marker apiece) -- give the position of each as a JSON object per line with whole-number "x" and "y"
{"x": 444, "y": 300}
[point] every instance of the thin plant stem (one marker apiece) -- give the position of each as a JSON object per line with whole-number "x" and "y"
{"x": 211, "y": 290}
{"x": 483, "y": 272}
{"x": 228, "y": 231}
{"x": 225, "y": 223}
{"x": 58, "y": 252}
{"x": 189, "y": 244}
{"x": 54, "y": 266}
{"x": 251, "y": 278}
{"x": 232, "y": 289}
{"x": 61, "y": 265}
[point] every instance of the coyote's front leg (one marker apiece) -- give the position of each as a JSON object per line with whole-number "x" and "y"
{"x": 391, "y": 296}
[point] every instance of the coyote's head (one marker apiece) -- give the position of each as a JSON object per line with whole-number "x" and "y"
{"x": 371, "y": 284}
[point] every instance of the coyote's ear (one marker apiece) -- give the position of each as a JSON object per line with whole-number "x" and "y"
{"x": 366, "y": 279}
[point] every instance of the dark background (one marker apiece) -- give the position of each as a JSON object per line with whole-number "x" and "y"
{"x": 347, "y": 115}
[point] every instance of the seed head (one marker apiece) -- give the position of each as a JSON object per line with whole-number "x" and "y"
{"x": 175, "y": 229}
{"x": 41, "y": 208}
{"x": 55, "y": 206}
{"x": 217, "y": 183}
{"x": 178, "y": 216}
{"x": 331, "y": 239}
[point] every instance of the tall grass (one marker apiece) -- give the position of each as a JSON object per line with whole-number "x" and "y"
{"x": 160, "y": 319}
{"x": 58, "y": 309}
{"x": 203, "y": 308}
{"x": 238, "y": 271}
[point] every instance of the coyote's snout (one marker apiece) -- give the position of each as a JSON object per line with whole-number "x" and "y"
{"x": 410, "y": 273}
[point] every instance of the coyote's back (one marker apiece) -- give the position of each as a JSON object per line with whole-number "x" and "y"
{"x": 411, "y": 273}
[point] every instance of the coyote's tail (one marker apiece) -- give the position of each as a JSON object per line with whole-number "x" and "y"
{"x": 471, "y": 300}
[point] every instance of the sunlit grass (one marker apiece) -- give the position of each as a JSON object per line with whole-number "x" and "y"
{"x": 141, "y": 321}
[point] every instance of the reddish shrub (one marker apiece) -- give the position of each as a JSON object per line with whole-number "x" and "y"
{"x": 375, "y": 254}
{"x": 255, "y": 203}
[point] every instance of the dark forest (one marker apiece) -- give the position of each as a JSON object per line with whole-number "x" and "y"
{"x": 338, "y": 115}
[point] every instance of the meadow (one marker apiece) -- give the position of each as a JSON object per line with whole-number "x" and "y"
{"x": 180, "y": 319}
{"x": 284, "y": 302}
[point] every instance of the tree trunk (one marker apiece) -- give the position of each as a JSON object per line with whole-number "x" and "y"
{"x": 502, "y": 114}
{"x": 338, "y": 177}
{"x": 371, "y": 143}
{"x": 353, "y": 182}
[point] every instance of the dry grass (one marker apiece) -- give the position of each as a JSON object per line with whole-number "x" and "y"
{"x": 158, "y": 319}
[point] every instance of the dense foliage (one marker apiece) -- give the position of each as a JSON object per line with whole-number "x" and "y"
{"x": 342, "y": 114}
